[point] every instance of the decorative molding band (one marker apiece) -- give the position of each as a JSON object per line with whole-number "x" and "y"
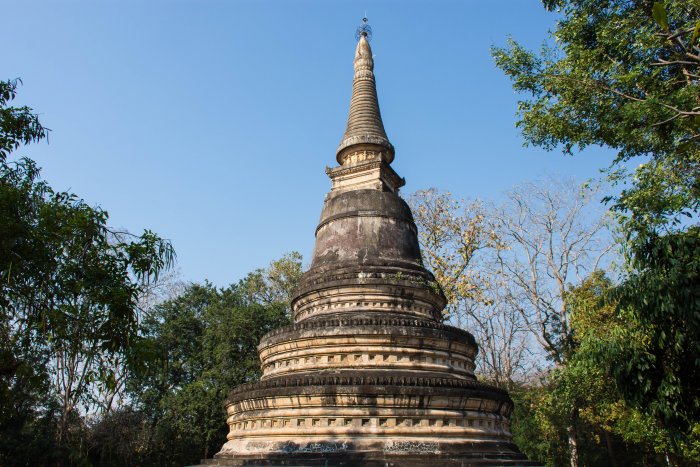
{"x": 319, "y": 358}
{"x": 412, "y": 276}
{"x": 365, "y": 139}
{"x": 244, "y": 391}
{"x": 375, "y": 304}
{"x": 367, "y": 321}
{"x": 408, "y": 425}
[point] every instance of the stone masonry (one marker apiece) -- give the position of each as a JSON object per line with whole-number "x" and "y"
{"x": 368, "y": 374}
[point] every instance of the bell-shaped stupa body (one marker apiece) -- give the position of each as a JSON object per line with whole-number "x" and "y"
{"x": 368, "y": 374}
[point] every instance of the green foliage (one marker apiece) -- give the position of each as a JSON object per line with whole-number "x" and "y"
{"x": 542, "y": 416}
{"x": 18, "y": 125}
{"x": 658, "y": 12}
{"x": 626, "y": 75}
{"x": 69, "y": 319}
{"x": 196, "y": 348}
{"x": 531, "y": 432}
{"x": 68, "y": 297}
{"x": 581, "y": 396}
{"x": 619, "y": 78}
{"x": 606, "y": 338}
{"x": 659, "y": 336}
{"x": 111, "y": 439}
{"x": 275, "y": 283}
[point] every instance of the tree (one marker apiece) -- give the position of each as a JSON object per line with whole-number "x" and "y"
{"x": 622, "y": 75}
{"x": 604, "y": 338}
{"x": 18, "y": 125}
{"x": 69, "y": 287}
{"x": 506, "y": 270}
{"x": 552, "y": 236}
{"x": 625, "y": 75}
{"x": 202, "y": 344}
{"x": 275, "y": 283}
{"x": 451, "y": 231}
{"x": 655, "y": 356}
{"x": 456, "y": 239}
{"x": 580, "y": 392}
{"x": 113, "y": 396}
{"x": 610, "y": 431}
{"x": 504, "y": 339}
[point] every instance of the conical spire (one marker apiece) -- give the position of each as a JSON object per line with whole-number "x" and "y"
{"x": 365, "y": 126}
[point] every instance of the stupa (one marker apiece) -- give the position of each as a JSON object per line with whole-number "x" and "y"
{"x": 368, "y": 374}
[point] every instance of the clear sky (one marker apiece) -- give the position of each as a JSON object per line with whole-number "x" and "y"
{"x": 211, "y": 122}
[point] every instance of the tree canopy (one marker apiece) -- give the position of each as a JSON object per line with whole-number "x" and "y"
{"x": 623, "y": 75}
{"x": 69, "y": 288}
{"x": 199, "y": 345}
{"x": 626, "y": 75}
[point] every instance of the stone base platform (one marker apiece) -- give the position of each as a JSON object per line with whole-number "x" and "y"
{"x": 376, "y": 459}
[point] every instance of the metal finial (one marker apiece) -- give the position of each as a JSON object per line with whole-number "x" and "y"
{"x": 364, "y": 29}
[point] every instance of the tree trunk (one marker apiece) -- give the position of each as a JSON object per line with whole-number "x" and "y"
{"x": 573, "y": 445}
{"x": 671, "y": 459}
{"x": 608, "y": 443}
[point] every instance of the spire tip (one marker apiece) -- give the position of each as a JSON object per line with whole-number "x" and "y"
{"x": 364, "y": 30}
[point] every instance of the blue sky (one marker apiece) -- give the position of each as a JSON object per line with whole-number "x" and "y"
{"x": 211, "y": 122}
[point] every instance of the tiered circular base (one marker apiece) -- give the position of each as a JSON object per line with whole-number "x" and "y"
{"x": 348, "y": 390}
{"x": 368, "y": 375}
{"x": 368, "y": 341}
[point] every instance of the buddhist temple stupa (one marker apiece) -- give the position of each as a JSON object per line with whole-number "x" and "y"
{"x": 368, "y": 375}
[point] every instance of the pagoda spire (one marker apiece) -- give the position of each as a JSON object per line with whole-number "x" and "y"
{"x": 365, "y": 153}
{"x": 365, "y": 127}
